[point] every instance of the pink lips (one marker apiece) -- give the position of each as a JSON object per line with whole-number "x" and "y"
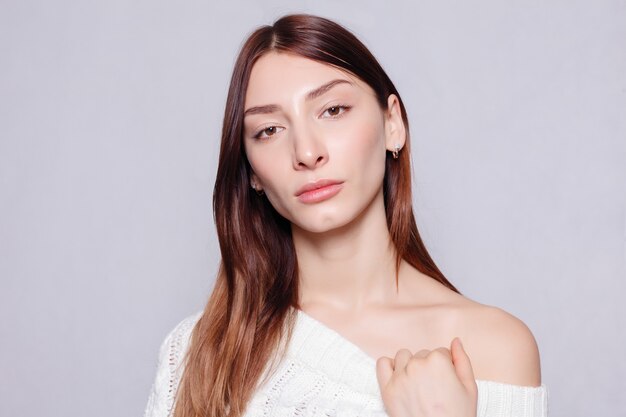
{"x": 319, "y": 190}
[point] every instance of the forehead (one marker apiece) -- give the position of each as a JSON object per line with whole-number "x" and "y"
{"x": 278, "y": 76}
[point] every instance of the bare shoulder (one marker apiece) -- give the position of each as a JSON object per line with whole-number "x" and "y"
{"x": 501, "y": 347}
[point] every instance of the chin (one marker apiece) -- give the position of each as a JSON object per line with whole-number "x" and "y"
{"x": 323, "y": 223}
{"x": 319, "y": 228}
{"x": 332, "y": 217}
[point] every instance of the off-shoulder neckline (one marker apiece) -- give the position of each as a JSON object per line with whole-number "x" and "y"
{"x": 349, "y": 351}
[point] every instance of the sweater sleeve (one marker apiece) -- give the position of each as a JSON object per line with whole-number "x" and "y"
{"x": 496, "y": 399}
{"x": 169, "y": 369}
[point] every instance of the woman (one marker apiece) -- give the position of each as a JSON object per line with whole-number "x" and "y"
{"x": 326, "y": 301}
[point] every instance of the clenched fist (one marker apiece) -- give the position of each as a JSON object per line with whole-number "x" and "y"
{"x": 431, "y": 383}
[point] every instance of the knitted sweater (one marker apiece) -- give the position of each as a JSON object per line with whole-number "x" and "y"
{"x": 323, "y": 374}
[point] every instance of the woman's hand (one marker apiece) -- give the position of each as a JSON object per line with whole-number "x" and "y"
{"x": 431, "y": 383}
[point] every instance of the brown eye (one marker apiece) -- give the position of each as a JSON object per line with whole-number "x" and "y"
{"x": 335, "y": 111}
{"x": 269, "y": 132}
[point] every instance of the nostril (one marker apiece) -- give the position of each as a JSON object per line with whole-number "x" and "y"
{"x": 309, "y": 157}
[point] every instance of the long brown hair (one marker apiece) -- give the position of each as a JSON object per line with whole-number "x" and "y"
{"x": 247, "y": 321}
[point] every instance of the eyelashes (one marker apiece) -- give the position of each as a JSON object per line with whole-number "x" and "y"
{"x": 265, "y": 129}
{"x": 338, "y": 106}
{"x": 345, "y": 108}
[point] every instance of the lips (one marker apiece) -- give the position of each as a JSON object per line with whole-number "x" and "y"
{"x": 319, "y": 191}
{"x": 315, "y": 185}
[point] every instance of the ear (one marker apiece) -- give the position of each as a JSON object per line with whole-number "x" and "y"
{"x": 395, "y": 131}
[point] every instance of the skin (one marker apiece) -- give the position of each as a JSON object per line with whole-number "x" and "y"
{"x": 345, "y": 254}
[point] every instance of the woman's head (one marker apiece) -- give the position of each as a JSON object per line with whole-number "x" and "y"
{"x": 279, "y": 64}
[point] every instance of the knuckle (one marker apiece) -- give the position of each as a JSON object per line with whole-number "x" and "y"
{"x": 402, "y": 353}
{"x": 443, "y": 351}
{"x": 415, "y": 365}
{"x": 440, "y": 355}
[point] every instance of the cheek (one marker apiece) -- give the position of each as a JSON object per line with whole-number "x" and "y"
{"x": 363, "y": 148}
{"x": 262, "y": 159}
{"x": 273, "y": 176}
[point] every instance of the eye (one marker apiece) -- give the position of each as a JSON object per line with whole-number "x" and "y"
{"x": 334, "y": 112}
{"x": 271, "y": 129}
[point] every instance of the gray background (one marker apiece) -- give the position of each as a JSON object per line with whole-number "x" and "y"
{"x": 110, "y": 115}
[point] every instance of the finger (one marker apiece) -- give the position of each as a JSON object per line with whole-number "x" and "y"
{"x": 384, "y": 370}
{"x": 422, "y": 353}
{"x": 462, "y": 364}
{"x": 401, "y": 359}
{"x": 445, "y": 351}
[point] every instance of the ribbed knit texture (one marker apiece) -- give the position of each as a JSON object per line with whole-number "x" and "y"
{"x": 323, "y": 374}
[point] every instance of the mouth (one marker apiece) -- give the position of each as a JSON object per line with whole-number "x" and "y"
{"x": 320, "y": 190}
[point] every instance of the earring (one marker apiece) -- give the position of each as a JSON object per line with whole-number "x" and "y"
{"x": 253, "y": 185}
{"x": 395, "y": 151}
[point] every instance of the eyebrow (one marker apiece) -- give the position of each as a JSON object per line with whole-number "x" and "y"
{"x": 270, "y": 108}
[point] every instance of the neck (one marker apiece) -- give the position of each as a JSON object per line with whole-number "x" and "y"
{"x": 350, "y": 267}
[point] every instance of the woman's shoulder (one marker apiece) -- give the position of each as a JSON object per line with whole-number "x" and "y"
{"x": 184, "y": 327}
{"x": 169, "y": 369}
{"x": 500, "y": 345}
{"x": 175, "y": 344}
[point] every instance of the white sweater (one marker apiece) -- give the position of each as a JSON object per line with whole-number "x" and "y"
{"x": 323, "y": 374}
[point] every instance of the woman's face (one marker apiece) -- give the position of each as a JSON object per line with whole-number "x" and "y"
{"x": 294, "y": 138}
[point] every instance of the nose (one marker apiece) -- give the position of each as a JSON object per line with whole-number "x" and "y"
{"x": 309, "y": 150}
